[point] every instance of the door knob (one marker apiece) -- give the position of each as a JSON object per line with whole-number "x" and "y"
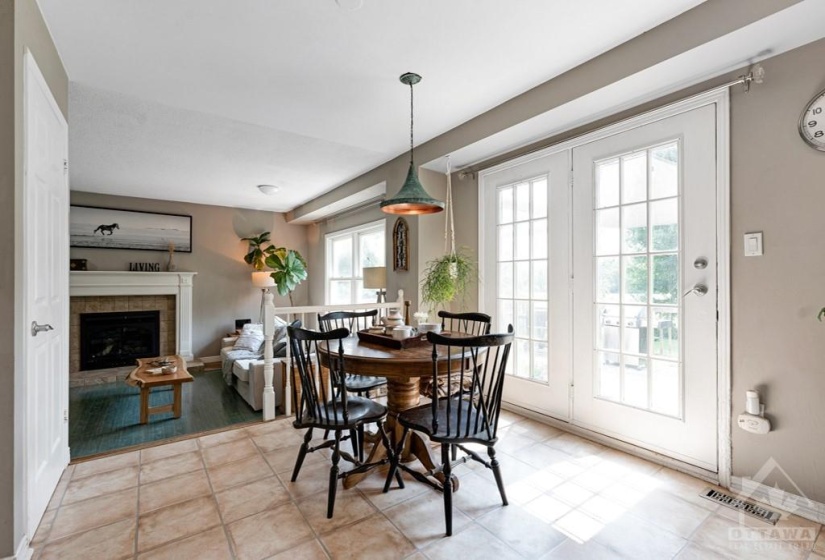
{"x": 698, "y": 289}
{"x": 40, "y": 328}
{"x": 701, "y": 263}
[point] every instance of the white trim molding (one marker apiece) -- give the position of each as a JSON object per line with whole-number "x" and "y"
{"x": 122, "y": 283}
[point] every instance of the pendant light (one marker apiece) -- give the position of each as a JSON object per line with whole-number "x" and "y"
{"x": 412, "y": 198}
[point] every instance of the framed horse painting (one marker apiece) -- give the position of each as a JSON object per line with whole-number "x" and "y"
{"x": 107, "y": 228}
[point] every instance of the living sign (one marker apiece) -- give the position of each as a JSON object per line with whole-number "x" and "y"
{"x": 144, "y": 267}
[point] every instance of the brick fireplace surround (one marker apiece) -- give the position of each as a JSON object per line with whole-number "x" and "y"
{"x": 170, "y": 293}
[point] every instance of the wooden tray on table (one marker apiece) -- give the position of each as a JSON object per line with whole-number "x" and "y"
{"x": 390, "y": 342}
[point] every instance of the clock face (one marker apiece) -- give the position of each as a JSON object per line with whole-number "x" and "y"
{"x": 812, "y": 122}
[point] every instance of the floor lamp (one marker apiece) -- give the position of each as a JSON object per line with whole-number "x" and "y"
{"x": 375, "y": 278}
{"x": 264, "y": 281}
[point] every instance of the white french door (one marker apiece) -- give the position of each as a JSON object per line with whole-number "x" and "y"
{"x": 602, "y": 252}
{"x": 526, "y": 268}
{"x": 644, "y": 263}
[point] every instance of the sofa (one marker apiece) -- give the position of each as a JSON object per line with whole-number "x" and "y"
{"x": 243, "y": 364}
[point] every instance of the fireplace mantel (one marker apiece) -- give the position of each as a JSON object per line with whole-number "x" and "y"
{"x": 122, "y": 283}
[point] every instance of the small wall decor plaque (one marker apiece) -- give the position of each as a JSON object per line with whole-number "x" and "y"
{"x": 400, "y": 235}
{"x": 77, "y": 264}
{"x": 144, "y": 267}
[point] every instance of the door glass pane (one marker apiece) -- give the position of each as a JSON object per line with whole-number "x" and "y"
{"x": 634, "y": 274}
{"x": 607, "y": 232}
{"x": 634, "y": 177}
{"x": 505, "y": 206}
{"x": 523, "y": 241}
{"x": 522, "y": 202}
{"x": 607, "y": 183}
{"x": 523, "y": 364}
{"x": 539, "y": 284}
{"x": 664, "y": 224}
{"x": 539, "y": 238}
{"x": 505, "y": 243}
{"x": 664, "y": 171}
{"x": 522, "y": 323}
{"x": 541, "y": 360}
{"x": 539, "y": 321}
{"x": 540, "y": 198}
{"x": 522, "y": 280}
{"x": 342, "y": 258}
{"x": 505, "y": 280}
{"x": 637, "y": 346}
{"x": 505, "y": 314}
{"x": 634, "y": 228}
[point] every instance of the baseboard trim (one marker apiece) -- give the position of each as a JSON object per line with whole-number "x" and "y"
{"x": 23, "y": 551}
{"x": 797, "y": 504}
{"x": 619, "y": 445}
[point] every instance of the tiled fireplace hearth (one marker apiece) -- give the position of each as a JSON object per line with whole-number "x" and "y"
{"x": 168, "y": 293}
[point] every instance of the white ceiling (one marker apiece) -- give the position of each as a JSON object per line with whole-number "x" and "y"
{"x": 201, "y": 100}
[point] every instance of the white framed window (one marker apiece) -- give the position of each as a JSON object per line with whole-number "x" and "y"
{"x": 347, "y": 253}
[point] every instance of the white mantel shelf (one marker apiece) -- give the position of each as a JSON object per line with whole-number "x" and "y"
{"x": 125, "y": 283}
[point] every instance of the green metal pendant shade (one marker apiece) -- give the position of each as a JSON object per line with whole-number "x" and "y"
{"x": 412, "y": 198}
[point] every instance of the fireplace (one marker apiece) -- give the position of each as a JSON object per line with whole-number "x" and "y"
{"x": 118, "y": 338}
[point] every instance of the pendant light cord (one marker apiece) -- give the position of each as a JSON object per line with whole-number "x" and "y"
{"x": 449, "y": 221}
{"x": 412, "y": 113}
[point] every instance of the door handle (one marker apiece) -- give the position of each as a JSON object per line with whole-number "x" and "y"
{"x": 40, "y": 328}
{"x": 698, "y": 289}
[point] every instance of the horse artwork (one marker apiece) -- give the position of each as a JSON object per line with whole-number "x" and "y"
{"x": 106, "y": 230}
{"x": 110, "y": 228}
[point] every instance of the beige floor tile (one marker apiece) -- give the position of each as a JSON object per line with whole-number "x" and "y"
{"x": 733, "y": 540}
{"x": 209, "y": 545}
{"x": 268, "y": 533}
{"x": 570, "y": 493}
{"x": 104, "y": 464}
{"x": 222, "y": 437}
{"x": 588, "y": 550}
{"x": 100, "y": 484}
{"x": 535, "y": 430}
{"x": 95, "y": 512}
{"x": 282, "y": 460}
{"x": 474, "y": 542}
{"x": 819, "y": 545}
{"x": 350, "y": 506}
{"x": 373, "y": 538}
{"x": 112, "y": 542}
{"x": 512, "y": 442}
{"x": 310, "y": 550}
{"x": 168, "y": 450}
{"x": 43, "y": 529}
{"x": 262, "y": 428}
{"x": 421, "y": 519}
{"x": 372, "y": 487}
{"x": 60, "y": 489}
{"x": 695, "y": 552}
{"x": 547, "y": 509}
{"x": 522, "y": 531}
{"x": 228, "y": 452}
{"x": 477, "y": 494}
{"x": 540, "y": 455}
{"x": 634, "y": 538}
{"x": 671, "y": 513}
{"x": 173, "y": 490}
{"x": 575, "y": 446}
{"x": 239, "y": 472}
{"x": 249, "y": 499}
{"x": 283, "y": 438}
{"x": 176, "y": 521}
{"x": 311, "y": 480}
{"x": 170, "y": 466}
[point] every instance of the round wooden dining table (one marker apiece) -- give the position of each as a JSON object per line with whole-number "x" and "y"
{"x": 403, "y": 368}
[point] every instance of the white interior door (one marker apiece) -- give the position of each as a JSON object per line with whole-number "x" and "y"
{"x": 645, "y": 288}
{"x": 45, "y": 285}
{"x": 526, "y": 270}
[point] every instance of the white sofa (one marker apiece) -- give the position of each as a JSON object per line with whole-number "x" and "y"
{"x": 248, "y": 376}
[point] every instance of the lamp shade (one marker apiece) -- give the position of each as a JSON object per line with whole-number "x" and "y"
{"x": 263, "y": 279}
{"x": 412, "y": 198}
{"x": 375, "y": 277}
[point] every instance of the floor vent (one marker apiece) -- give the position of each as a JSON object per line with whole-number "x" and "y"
{"x": 745, "y": 507}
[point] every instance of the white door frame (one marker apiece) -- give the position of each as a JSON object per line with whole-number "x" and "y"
{"x": 719, "y": 97}
{"x": 23, "y": 428}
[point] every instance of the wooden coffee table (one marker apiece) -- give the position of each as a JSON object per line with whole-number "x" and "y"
{"x": 141, "y": 378}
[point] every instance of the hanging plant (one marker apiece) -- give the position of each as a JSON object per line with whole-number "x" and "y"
{"x": 448, "y": 277}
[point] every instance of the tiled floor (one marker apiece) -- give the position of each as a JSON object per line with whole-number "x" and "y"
{"x": 228, "y": 495}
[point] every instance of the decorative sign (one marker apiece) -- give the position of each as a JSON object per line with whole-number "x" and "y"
{"x": 144, "y": 267}
{"x": 400, "y": 234}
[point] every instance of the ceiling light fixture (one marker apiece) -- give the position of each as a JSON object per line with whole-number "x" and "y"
{"x": 412, "y": 198}
{"x": 268, "y": 190}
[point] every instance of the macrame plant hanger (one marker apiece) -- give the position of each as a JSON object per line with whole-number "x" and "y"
{"x": 449, "y": 222}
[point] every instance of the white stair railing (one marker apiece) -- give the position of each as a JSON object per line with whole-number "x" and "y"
{"x": 303, "y": 313}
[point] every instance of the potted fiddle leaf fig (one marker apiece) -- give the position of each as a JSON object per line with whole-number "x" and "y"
{"x": 821, "y": 314}
{"x": 447, "y": 278}
{"x": 289, "y": 270}
{"x": 259, "y": 249}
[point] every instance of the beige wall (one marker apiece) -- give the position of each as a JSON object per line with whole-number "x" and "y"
{"x": 223, "y": 290}
{"x": 28, "y": 32}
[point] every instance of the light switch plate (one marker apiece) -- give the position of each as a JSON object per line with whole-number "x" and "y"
{"x": 753, "y": 244}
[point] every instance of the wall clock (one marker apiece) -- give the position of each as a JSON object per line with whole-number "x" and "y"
{"x": 812, "y": 122}
{"x": 400, "y": 248}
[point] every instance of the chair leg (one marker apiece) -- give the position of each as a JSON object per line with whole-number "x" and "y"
{"x": 497, "y": 473}
{"x": 391, "y": 455}
{"x": 395, "y": 457}
{"x": 333, "y": 474}
{"x": 302, "y": 452}
{"x": 361, "y": 443}
{"x": 447, "y": 487}
{"x": 454, "y": 452}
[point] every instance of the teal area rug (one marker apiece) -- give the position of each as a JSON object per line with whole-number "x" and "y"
{"x": 107, "y": 417}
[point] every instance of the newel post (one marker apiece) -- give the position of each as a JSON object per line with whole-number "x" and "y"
{"x": 269, "y": 334}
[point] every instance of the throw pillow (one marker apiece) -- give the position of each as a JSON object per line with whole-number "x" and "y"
{"x": 252, "y": 327}
{"x": 251, "y": 341}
